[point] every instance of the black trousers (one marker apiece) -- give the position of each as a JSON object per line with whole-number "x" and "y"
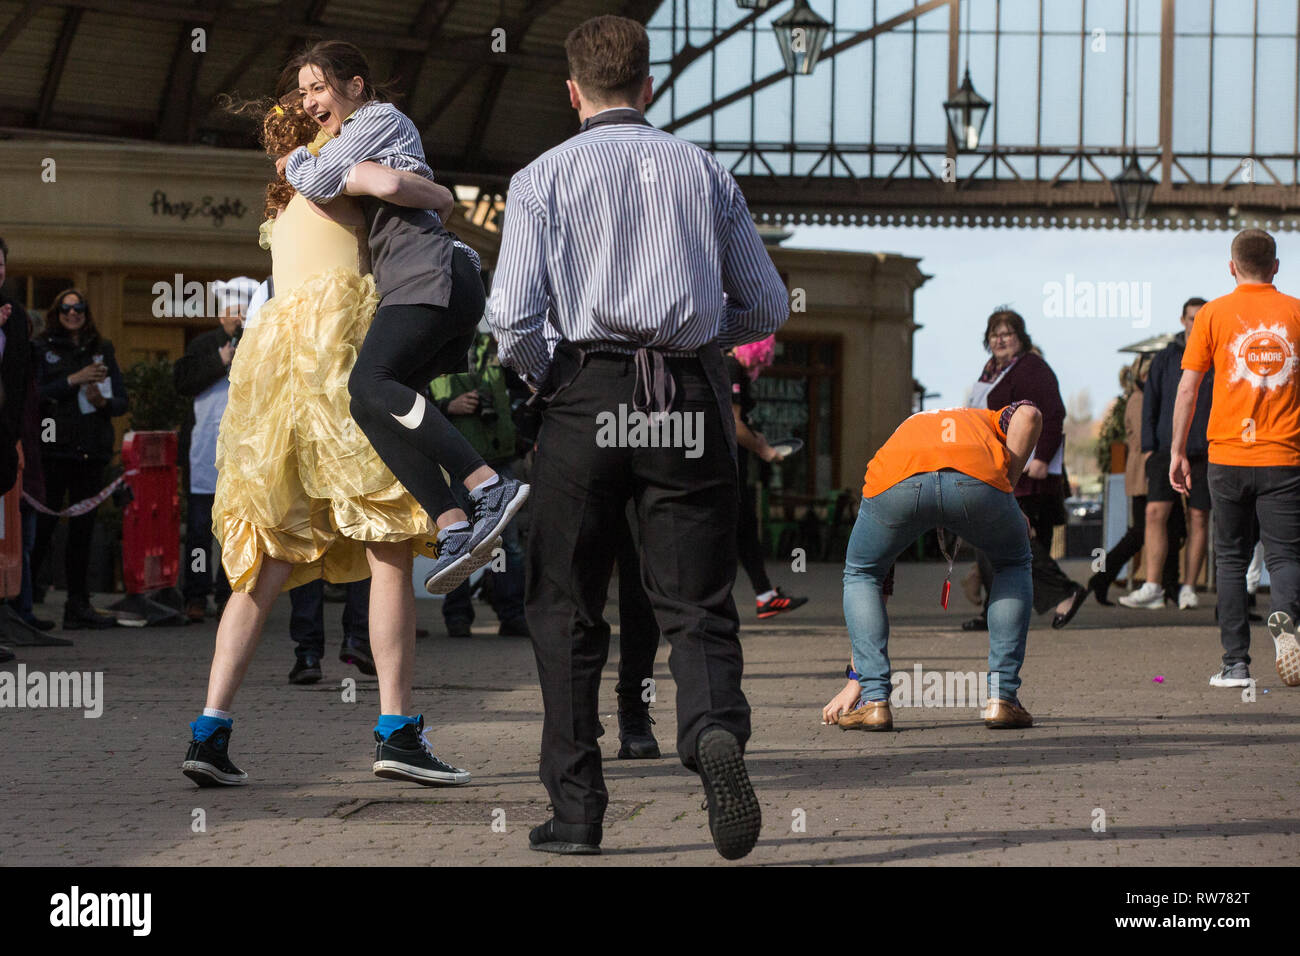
{"x": 199, "y": 538}
{"x": 406, "y": 348}
{"x": 1051, "y": 584}
{"x": 1131, "y": 544}
{"x": 686, "y": 519}
{"x": 67, "y": 481}
{"x": 1239, "y": 495}
{"x": 307, "y": 616}
{"x": 748, "y": 546}
{"x": 638, "y": 631}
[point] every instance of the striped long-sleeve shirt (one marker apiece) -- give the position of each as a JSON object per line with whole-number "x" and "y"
{"x": 627, "y": 235}
{"x": 376, "y": 131}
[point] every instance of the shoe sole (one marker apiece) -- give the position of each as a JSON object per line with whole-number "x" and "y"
{"x": 392, "y": 770}
{"x": 870, "y": 728}
{"x": 568, "y": 849}
{"x": 764, "y": 615}
{"x": 1281, "y": 628}
{"x": 736, "y": 817}
{"x": 1216, "y": 681}
{"x": 457, "y": 573}
{"x": 486, "y": 546}
{"x": 206, "y": 775}
{"x": 1007, "y": 725}
{"x": 309, "y": 679}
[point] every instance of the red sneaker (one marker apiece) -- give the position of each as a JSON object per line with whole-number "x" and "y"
{"x": 778, "y": 604}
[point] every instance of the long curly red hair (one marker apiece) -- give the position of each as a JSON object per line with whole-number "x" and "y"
{"x": 285, "y": 127}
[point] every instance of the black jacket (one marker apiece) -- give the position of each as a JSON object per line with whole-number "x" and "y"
{"x": 76, "y": 435}
{"x": 194, "y": 372}
{"x": 15, "y": 370}
{"x": 1158, "y": 398}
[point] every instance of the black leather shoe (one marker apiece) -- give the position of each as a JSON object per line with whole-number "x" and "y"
{"x": 1100, "y": 588}
{"x": 980, "y": 623}
{"x": 306, "y": 670}
{"x": 573, "y": 839}
{"x": 31, "y": 620}
{"x": 637, "y": 740}
{"x": 359, "y": 656}
{"x": 78, "y": 616}
{"x": 1060, "y": 620}
{"x": 515, "y": 627}
{"x": 735, "y": 817}
{"x": 458, "y": 627}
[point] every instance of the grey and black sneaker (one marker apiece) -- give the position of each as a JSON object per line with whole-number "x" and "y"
{"x": 735, "y": 817}
{"x": 208, "y": 764}
{"x": 407, "y": 754}
{"x": 1282, "y": 629}
{"x": 1236, "y": 675}
{"x": 461, "y": 553}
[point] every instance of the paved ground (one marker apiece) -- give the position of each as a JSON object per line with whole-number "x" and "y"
{"x": 1184, "y": 773}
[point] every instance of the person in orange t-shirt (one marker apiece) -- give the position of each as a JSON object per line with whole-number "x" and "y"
{"x": 1250, "y": 337}
{"x": 953, "y": 469}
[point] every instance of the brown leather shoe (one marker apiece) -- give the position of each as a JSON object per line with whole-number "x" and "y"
{"x": 873, "y": 715}
{"x": 196, "y": 611}
{"x": 1006, "y": 715}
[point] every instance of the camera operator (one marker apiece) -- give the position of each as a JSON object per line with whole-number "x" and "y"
{"x": 478, "y": 403}
{"x": 203, "y": 373}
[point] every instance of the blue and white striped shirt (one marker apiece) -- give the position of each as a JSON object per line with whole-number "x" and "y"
{"x": 376, "y": 131}
{"x": 625, "y": 234}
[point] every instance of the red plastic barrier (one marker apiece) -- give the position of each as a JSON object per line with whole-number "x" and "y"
{"x": 11, "y": 541}
{"x": 151, "y": 525}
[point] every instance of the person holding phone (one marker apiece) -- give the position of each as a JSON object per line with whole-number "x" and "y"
{"x": 81, "y": 391}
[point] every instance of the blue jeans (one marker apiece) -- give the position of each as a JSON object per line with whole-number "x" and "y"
{"x": 888, "y": 523}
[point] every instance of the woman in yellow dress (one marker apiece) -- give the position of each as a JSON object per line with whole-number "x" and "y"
{"x": 301, "y": 494}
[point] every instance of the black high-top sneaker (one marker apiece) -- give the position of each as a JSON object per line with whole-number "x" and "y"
{"x": 207, "y": 762}
{"x": 407, "y": 754}
{"x": 637, "y": 740}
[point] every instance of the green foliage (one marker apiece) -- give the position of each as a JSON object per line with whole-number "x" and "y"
{"x": 155, "y": 403}
{"x": 1112, "y": 430}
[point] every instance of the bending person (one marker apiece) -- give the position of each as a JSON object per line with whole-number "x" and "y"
{"x": 951, "y": 469}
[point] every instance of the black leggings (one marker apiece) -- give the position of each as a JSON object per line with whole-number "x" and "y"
{"x": 406, "y": 348}
{"x": 74, "y": 479}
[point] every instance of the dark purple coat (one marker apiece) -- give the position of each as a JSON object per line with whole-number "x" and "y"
{"x": 1032, "y": 378}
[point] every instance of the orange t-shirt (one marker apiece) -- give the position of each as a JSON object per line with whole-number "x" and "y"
{"x": 1250, "y": 337}
{"x": 968, "y": 440}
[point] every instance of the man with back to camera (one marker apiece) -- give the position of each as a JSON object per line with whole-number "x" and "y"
{"x": 1249, "y": 337}
{"x": 637, "y": 248}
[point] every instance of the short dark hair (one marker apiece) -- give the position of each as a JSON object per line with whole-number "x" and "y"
{"x": 1254, "y": 252}
{"x": 609, "y": 57}
{"x": 1005, "y": 316}
{"x": 1195, "y": 300}
{"x": 4, "y": 248}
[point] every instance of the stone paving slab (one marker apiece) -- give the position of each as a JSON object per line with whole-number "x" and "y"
{"x": 1185, "y": 774}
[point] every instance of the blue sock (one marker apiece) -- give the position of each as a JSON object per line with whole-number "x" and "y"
{"x": 204, "y": 727}
{"x": 391, "y": 722}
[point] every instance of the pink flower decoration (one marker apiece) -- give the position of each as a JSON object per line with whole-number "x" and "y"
{"x": 1158, "y": 679}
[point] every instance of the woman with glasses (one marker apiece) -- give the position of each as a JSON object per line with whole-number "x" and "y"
{"x": 1013, "y": 373}
{"x": 81, "y": 391}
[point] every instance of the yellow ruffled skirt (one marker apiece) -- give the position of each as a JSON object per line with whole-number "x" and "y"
{"x": 296, "y": 478}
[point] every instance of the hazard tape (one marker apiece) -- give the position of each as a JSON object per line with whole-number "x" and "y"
{"x": 81, "y": 507}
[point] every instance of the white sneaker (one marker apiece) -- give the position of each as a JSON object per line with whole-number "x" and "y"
{"x": 1238, "y": 675}
{"x": 1282, "y": 629}
{"x": 1187, "y": 597}
{"x": 1150, "y": 596}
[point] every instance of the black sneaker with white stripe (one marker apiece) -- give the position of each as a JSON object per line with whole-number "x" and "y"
{"x": 407, "y": 754}
{"x": 461, "y": 553}
{"x": 208, "y": 764}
